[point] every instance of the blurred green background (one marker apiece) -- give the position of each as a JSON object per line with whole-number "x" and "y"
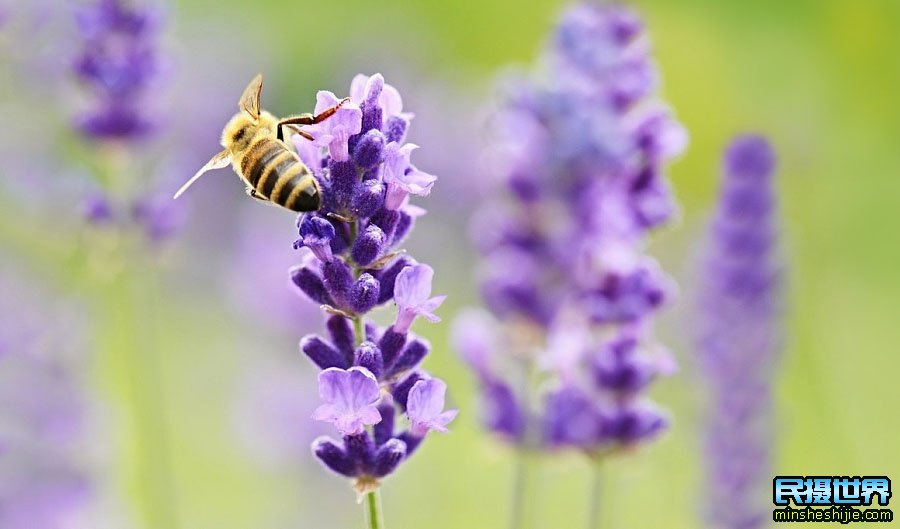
{"x": 820, "y": 77}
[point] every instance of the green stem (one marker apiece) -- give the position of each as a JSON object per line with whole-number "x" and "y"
{"x": 145, "y": 373}
{"x": 524, "y": 505}
{"x": 374, "y": 516}
{"x": 594, "y": 511}
{"x": 359, "y": 330}
{"x": 523, "y": 508}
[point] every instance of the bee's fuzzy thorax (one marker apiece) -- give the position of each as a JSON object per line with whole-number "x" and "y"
{"x": 238, "y": 132}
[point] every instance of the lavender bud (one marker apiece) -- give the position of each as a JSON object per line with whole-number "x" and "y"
{"x": 368, "y": 152}
{"x": 385, "y": 429}
{"x": 503, "y": 413}
{"x": 403, "y": 227}
{"x": 371, "y": 332}
{"x": 414, "y": 353}
{"x": 338, "y": 279}
{"x": 333, "y": 457}
{"x": 309, "y": 282}
{"x": 388, "y": 278}
{"x": 621, "y": 369}
{"x": 388, "y": 457}
{"x": 343, "y": 181}
{"x": 341, "y": 333}
{"x": 368, "y": 198}
{"x": 632, "y": 423}
{"x": 364, "y": 294}
{"x": 390, "y": 344}
{"x": 571, "y": 419}
{"x": 368, "y": 245}
{"x": 395, "y": 129}
{"x": 339, "y": 243}
{"x": 385, "y": 219}
{"x": 401, "y": 390}
{"x": 372, "y": 112}
{"x": 361, "y": 450}
{"x": 412, "y": 442}
{"x": 749, "y": 158}
{"x": 321, "y": 353}
{"x": 368, "y": 355}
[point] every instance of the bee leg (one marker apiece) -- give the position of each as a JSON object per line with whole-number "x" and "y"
{"x": 310, "y": 119}
{"x": 252, "y": 192}
{"x": 297, "y": 131}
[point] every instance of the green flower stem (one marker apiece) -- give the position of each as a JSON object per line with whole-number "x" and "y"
{"x": 595, "y": 513}
{"x": 135, "y": 310}
{"x": 359, "y": 330}
{"x": 374, "y": 516}
{"x": 524, "y": 511}
{"x": 524, "y": 498}
{"x": 134, "y": 354}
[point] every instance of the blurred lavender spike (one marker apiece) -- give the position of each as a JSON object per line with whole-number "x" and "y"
{"x": 579, "y": 153}
{"x": 118, "y": 64}
{"x": 42, "y": 411}
{"x": 739, "y": 344}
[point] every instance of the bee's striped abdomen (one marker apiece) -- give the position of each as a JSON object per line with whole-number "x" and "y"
{"x": 277, "y": 174}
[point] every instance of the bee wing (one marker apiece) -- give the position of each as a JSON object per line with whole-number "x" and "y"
{"x": 250, "y": 99}
{"x": 216, "y": 162}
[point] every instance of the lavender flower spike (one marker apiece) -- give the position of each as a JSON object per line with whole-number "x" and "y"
{"x": 581, "y": 153}
{"x": 739, "y": 344}
{"x": 371, "y": 374}
{"x": 425, "y": 407}
{"x": 350, "y": 399}
{"x": 119, "y": 63}
{"x": 43, "y": 408}
{"x": 411, "y": 293}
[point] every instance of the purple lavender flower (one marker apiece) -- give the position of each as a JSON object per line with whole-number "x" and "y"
{"x": 118, "y": 64}
{"x": 580, "y": 153}
{"x": 403, "y": 179}
{"x": 334, "y": 133}
{"x": 425, "y": 407}
{"x": 738, "y": 342}
{"x": 371, "y": 375}
{"x": 350, "y": 398}
{"x": 412, "y": 291}
{"x": 316, "y": 234}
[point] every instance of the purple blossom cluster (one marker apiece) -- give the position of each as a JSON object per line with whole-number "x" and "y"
{"x": 352, "y": 264}
{"x": 41, "y": 412}
{"x": 738, "y": 342}
{"x": 580, "y": 157}
{"x": 118, "y": 63}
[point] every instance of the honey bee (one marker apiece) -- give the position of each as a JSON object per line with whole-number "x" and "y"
{"x": 255, "y": 146}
